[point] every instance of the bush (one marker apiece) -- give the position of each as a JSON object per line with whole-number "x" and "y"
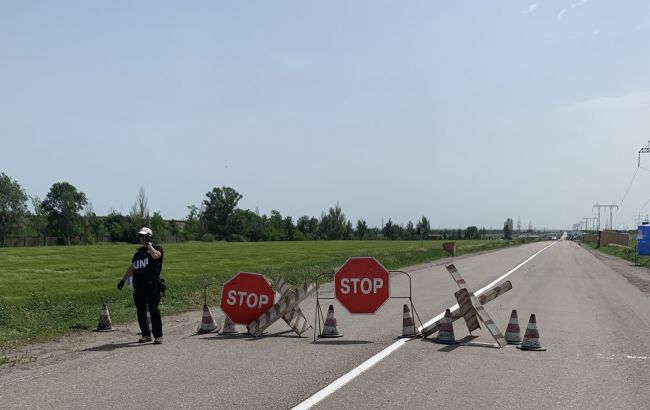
{"x": 236, "y": 238}
{"x": 208, "y": 237}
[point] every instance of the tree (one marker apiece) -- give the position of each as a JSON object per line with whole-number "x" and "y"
{"x": 390, "y": 230}
{"x": 308, "y": 226}
{"x": 120, "y": 227}
{"x": 274, "y": 229}
{"x": 191, "y": 227}
{"x": 139, "y": 210}
{"x": 410, "y": 231}
{"x": 13, "y": 205}
{"x": 423, "y": 227}
{"x": 62, "y": 205}
{"x": 507, "y": 229}
{"x": 38, "y": 221}
{"x": 219, "y": 208}
{"x": 333, "y": 225}
{"x": 362, "y": 228}
{"x": 471, "y": 233}
{"x": 93, "y": 228}
{"x": 159, "y": 227}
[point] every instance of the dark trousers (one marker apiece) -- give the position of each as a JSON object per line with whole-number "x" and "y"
{"x": 146, "y": 297}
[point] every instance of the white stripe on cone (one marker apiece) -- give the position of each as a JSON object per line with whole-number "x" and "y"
{"x": 446, "y": 330}
{"x": 329, "y": 328}
{"x": 408, "y": 325}
{"x": 513, "y": 333}
{"x": 208, "y": 324}
{"x": 531, "y": 337}
{"x": 104, "y": 323}
{"x": 229, "y": 327}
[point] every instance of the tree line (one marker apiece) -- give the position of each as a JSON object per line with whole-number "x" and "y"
{"x": 66, "y": 214}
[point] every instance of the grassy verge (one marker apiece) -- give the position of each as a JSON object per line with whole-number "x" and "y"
{"x": 48, "y": 291}
{"x": 627, "y": 253}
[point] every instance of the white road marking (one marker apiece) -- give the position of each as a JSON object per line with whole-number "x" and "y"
{"x": 626, "y": 356}
{"x": 352, "y": 374}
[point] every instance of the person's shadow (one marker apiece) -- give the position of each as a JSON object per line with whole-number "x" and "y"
{"x": 112, "y": 346}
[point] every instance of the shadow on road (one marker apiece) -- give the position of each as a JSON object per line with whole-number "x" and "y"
{"x": 341, "y": 342}
{"x": 466, "y": 341}
{"x": 112, "y": 346}
{"x": 248, "y": 337}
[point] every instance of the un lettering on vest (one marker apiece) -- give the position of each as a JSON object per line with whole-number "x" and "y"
{"x": 141, "y": 263}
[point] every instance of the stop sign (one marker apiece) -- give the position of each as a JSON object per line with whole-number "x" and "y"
{"x": 245, "y": 297}
{"x": 361, "y": 285}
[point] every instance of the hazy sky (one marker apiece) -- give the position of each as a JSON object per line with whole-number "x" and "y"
{"x": 465, "y": 112}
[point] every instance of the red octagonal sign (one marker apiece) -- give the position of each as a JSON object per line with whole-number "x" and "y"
{"x": 361, "y": 285}
{"x": 246, "y": 297}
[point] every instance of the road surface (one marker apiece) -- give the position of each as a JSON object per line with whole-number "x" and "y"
{"x": 593, "y": 316}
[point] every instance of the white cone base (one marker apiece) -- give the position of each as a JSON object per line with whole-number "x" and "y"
{"x": 513, "y": 342}
{"x": 104, "y": 330}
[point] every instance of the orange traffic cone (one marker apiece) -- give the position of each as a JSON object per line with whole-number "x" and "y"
{"x": 229, "y": 327}
{"x": 446, "y": 331}
{"x": 104, "y": 323}
{"x": 513, "y": 334}
{"x": 408, "y": 325}
{"x": 329, "y": 328}
{"x": 531, "y": 337}
{"x": 208, "y": 324}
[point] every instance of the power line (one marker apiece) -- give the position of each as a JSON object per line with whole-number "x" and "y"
{"x": 630, "y": 185}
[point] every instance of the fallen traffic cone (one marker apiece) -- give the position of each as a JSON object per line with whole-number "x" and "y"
{"x": 408, "y": 325}
{"x": 208, "y": 324}
{"x": 513, "y": 334}
{"x": 531, "y": 337}
{"x": 329, "y": 328}
{"x": 229, "y": 327}
{"x": 446, "y": 331}
{"x": 104, "y": 323}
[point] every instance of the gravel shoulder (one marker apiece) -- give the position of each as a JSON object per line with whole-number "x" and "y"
{"x": 638, "y": 276}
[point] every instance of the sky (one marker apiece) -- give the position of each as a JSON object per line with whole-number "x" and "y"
{"x": 465, "y": 112}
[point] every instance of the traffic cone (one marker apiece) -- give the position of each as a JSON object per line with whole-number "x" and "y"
{"x": 208, "y": 324}
{"x": 531, "y": 337}
{"x": 446, "y": 331}
{"x": 229, "y": 327}
{"x": 329, "y": 328}
{"x": 513, "y": 334}
{"x": 408, "y": 325}
{"x": 104, "y": 323}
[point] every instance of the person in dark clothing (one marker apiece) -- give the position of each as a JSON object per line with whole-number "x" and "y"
{"x": 145, "y": 268}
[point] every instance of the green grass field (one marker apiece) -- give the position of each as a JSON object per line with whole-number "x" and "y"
{"x": 49, "y": 291}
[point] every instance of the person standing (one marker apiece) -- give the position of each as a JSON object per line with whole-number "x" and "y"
{"x": 145, "y": 268}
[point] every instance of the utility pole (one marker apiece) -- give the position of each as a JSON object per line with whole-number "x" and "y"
{"x": 611, "y": 207}
{"x": 593, "y": 223}
{"x": 611, "y": 226}
{"x": 643, "y": 151}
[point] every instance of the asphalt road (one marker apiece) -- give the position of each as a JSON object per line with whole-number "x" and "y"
{"x": 594, "y": 322}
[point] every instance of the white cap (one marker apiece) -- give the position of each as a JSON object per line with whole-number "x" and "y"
{"x": 145, "y": 232}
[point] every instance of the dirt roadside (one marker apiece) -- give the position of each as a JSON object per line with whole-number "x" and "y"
{"x": 638, "y": 276}
{"x": 71, "y": 345}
